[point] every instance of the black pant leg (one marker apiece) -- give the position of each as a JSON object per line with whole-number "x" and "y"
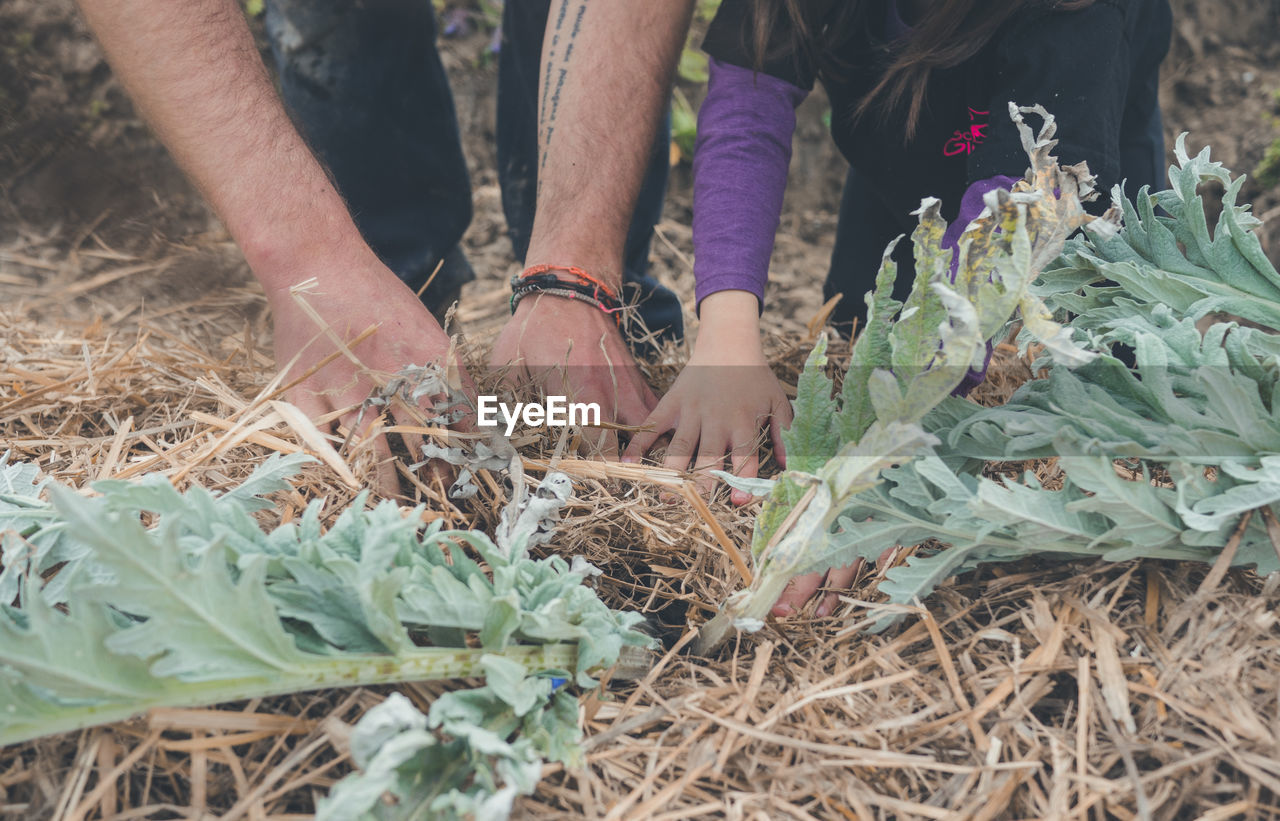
{"x": 523, "y": 23}
{"x": 364, "y": 83}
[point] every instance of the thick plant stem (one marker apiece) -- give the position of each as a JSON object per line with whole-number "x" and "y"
{"x": 425, "y": 664}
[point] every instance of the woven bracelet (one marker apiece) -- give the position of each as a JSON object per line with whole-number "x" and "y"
{"x": 582, "y": 287}
{"x": 577, "y": 274}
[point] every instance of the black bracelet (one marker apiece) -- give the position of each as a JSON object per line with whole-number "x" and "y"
{"x": 522, "y": 286}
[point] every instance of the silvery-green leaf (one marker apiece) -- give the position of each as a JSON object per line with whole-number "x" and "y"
{"x": 204, "y": 606}
{"x": 747, "y": 484}
{"x": 584, "y": 568}
{"x": 812, "y": 436}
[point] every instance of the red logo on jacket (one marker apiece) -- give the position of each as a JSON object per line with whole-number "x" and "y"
{"x": 963, "y": 141}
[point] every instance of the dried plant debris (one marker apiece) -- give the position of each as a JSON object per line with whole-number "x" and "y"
{"x": 530, "y": 519}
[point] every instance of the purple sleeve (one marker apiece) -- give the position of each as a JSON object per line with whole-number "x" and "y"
{"x": 740, "y": 164}
{"x": 971, "y": 206}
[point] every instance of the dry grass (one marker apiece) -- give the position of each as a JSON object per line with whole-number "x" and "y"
{"x": 1027, "y": 690}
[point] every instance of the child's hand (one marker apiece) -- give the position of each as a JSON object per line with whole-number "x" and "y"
{"x": 802, "y": 588}
{"x": 723, "y": 398}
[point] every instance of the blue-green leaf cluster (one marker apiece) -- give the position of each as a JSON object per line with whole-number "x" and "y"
{"x": 908, "y": 360}
{"x": 165, "y": 598}
{"x": 1169, "y": 257}
{"x": 1160, "y": 440}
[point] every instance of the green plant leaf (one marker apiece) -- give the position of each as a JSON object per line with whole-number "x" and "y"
{"x": 1159, "y": 459}
{"x": 204, "y": 606}
{"x": 907, "y": 362}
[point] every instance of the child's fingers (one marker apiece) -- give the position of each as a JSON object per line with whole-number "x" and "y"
{"x": 799, "y": 590}
{"x": 838, "y": 579}
{"x": 657, "y": 424}
{"x": 779, "y": 420}
{"x": 746, "y": 462}
{"x": 635, "y": 405}
{"x": 684, "y": 444}
{"x": 712, "y": 447}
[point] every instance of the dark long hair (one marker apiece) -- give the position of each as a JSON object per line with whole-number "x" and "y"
{"x": 952, "y": 32}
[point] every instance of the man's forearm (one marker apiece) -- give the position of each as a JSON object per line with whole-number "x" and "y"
{"x": 605, "y": 76}
{"x": 194, "y": 73}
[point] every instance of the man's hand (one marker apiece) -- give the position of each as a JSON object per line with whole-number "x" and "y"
{"x": 194, "y": 72}
{"x": 605, "y": 78}
{"x": 574, "y": 349}
{"x": 722, "y": 399}
{"x": 338, "y": 308}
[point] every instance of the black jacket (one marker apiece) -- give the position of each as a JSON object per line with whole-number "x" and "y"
{"x": 1094, "y": 69}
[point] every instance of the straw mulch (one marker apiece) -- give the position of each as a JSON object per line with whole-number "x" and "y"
{"x": 1029, "y": 690}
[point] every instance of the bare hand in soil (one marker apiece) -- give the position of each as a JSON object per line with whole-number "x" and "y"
{"x": 716, "y": 409}
{"x": 802, "y": 588}
{"x": 575, "y": 350}
{"x": 324, "y": 321}
{"x": 722, "y": 400}
{"x": 836, "y": 580}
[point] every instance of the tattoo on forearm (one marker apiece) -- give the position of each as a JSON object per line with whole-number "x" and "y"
{"x": 545, "y": 96}
{"x": 559, "y": 54}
